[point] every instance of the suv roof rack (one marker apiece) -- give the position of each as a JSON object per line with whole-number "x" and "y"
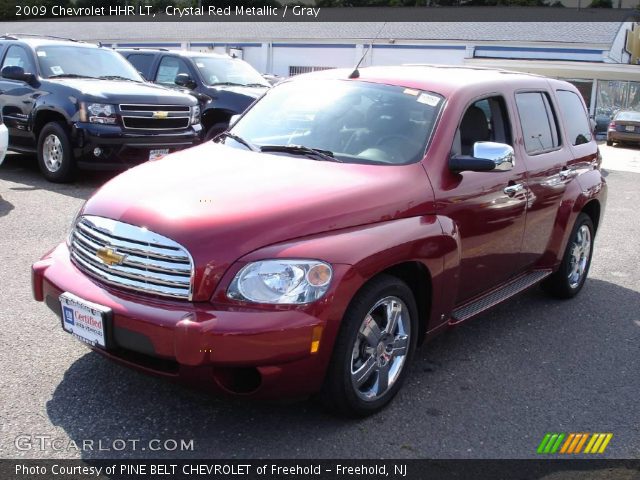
{"x": 17, "y": 36}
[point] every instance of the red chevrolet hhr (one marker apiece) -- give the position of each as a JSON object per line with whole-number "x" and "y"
{"x": 341, "y": 221}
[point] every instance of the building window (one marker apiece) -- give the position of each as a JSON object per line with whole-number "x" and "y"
{"x": 298, "y": 70}
{"x": 614, "y": 95}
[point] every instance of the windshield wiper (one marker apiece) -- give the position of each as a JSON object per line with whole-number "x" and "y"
{"x": 325, "y": 155}
{"x": 70, "y": 75}
{"x": 255, "y": 85}
{"x": 117, "y": 77}
{"x": 228, "y": 84}
{"x": 240, "y": 140}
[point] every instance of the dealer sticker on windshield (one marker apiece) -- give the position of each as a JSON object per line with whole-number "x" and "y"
{"x": 428, "y": 99}
{"x": 84, "y": 320}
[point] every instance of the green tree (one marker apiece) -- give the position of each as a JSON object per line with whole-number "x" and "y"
{"x": 100, "y": 3}
{"x": 601, "y": 4}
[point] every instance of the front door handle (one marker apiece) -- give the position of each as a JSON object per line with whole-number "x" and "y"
{"x": 511, "y": 190}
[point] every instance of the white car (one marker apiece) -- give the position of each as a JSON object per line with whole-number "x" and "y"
{"x": 4, "y": 141}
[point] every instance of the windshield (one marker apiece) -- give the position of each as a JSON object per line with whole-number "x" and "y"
{"x": 355, "y": 121}
{"x": 62, "y": 60}
{"x": 216, "y": 70}
{"x": 628, "y": 116}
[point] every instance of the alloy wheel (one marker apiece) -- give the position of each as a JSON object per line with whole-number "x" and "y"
{"x": 52, "y": 153}
{"x": 580, "y": 254}
{"x": 381, "y": 348}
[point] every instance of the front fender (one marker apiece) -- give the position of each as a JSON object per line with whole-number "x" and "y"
{"x": 360, "y": 253}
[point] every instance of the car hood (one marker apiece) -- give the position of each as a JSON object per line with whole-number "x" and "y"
{"x": 120, "y": 91}
{"x": 253, "y": 92}
{"x": 222, "y": 203}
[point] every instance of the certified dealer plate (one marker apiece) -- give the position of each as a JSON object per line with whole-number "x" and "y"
{"x": 158, "y": 154}
{"x": 84, "y": 320}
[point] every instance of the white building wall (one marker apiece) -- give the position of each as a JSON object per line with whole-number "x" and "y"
{"x": 403, "y": 54}
{"x": 301, "y": 55}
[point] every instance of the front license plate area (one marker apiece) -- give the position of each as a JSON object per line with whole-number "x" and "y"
{"x": 158, "y": 154}
{"x": 86, "y": 321}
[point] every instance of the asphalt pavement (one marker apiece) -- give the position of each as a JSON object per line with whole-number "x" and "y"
{"x": 490, "y": 388}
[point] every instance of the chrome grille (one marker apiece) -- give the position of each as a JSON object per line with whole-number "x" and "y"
{"x": 150, "y": 263}
{"x": 155, "y": 117}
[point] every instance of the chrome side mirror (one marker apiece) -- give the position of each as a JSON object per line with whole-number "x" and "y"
{"x": 500, "y": 154}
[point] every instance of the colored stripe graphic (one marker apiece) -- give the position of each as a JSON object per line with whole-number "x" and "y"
{"x": 543, "y": 443}
{"x": 573, "y": 443}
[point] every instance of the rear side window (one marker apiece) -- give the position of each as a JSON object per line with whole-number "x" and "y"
{"x": 142, "y": 62}
{"x": 577, "y": 122}
{"x": 538, "y": 122}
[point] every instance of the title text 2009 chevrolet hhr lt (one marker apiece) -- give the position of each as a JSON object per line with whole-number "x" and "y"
{"x": 342, "y": 220}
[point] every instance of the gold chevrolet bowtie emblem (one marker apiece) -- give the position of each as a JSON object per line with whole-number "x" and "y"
{"x": 109, "y": 256}
{"x": 160, "y": 114}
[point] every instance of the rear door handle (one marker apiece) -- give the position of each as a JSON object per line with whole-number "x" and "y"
{"x": 511, "y": 190}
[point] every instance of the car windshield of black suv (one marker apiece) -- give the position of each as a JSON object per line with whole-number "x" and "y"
{"x": 220, "y": 71}
{"x": 59, "y": 61}
{"x": 340, "y": 120}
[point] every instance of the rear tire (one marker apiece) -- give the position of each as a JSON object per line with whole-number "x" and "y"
{"x": 609, "y": 143}
{"x": 569, "y": 279}
{"x": 373, "y": 349}
{"x": 55, "y": 155}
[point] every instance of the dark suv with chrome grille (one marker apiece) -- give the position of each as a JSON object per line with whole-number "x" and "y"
{"x": 78, "y": 105}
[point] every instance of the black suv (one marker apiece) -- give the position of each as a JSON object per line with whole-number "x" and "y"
{"x": 80, "y": 105}
{"x": 224, "y": 86}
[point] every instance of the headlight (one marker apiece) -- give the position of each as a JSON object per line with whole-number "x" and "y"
{"x": 281, "y": 281}
{"x": 195, "y": 115}
{"x": 98, "y": 113}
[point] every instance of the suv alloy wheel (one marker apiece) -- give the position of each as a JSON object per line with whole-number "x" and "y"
{"x": 55, "y": 155}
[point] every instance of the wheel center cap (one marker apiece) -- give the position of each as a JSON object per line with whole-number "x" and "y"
{"x": 381, "y": 354}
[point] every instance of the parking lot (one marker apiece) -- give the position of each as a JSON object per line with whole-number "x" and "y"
{"x": 491, "y": 388}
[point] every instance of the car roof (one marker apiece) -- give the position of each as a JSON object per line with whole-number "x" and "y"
{"x": 182, "y": 53}
{"x": 443, "y": 79}
{"x": 621, "y": 112}
{"x": 35, "y": 41}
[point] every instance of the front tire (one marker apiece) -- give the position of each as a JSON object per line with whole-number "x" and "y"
{"x": 609, "y": 143}
{"x": 570, "y": 277}
{"x": 55, "y": 155}
{"x": 374, "y": 347}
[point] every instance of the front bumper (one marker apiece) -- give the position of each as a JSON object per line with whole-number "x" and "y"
{"x": 238, "y": 351}
{"x": 122, "y": 148}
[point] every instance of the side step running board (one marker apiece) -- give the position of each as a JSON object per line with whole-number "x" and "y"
{"x": 512, "y": 288}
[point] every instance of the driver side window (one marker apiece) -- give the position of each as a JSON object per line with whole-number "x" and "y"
{"x": 485, "y": 120}
{"x": 169, "y": 68}
{"x": 18, "y": 57}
